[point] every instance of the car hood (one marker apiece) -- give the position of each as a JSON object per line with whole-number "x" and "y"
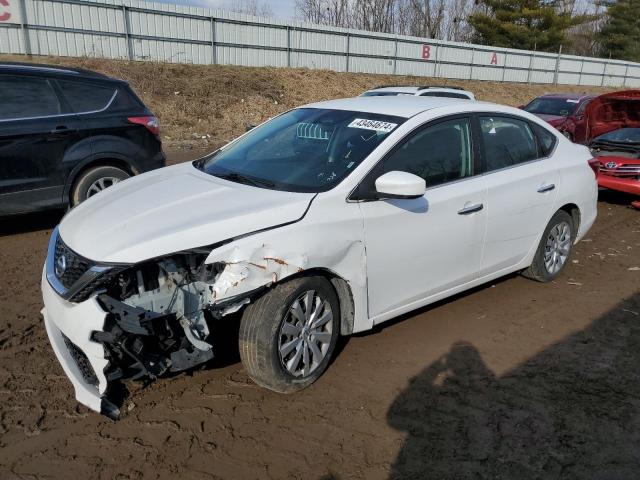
{"x": 554, "y": 120}
{"x": 173, "y": 209}
{"x": 612, "y": 111}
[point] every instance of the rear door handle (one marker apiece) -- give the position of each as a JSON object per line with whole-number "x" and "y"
{"x": 60, "y": 131}
{"x": 471, "y": 209}
{"x": 546, "y": 188}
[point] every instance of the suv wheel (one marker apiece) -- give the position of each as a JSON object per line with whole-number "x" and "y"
{"x": 288, "y": 336}
{"x": 554, "y": 249}
{"x": 94, "y": 181}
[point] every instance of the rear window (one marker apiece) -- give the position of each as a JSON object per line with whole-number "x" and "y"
{"x": 27, "y": 97}
{"x": 445, "y": 95}
{"x": 86, "y": 97}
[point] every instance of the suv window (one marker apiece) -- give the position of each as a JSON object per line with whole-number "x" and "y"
{"x": 27, "y": 97}
{"x": 86, "y": 97}
{"x": 507, "y": 142}
{"x": 438, "y": 153}
{"x": 444, "y": 95}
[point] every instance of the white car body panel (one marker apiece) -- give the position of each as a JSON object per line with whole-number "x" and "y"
{"x": 434, "y": 247}
{"x": 392, "y": 256}
{"x": 145, "y": 217}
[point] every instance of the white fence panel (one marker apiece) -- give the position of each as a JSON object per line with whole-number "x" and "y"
{"x": 143, "y": 30}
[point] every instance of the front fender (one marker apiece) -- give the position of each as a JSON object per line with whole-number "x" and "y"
{"x": 270, "y": 257}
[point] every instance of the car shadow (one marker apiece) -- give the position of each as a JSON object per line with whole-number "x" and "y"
{"x": 571, "y": 411}
{"x": 30, "y": 222}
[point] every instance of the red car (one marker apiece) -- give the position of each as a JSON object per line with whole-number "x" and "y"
{"x": 564, "y": 111}
{"x": 612, "y": 127}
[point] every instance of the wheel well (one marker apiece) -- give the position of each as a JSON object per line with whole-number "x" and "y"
{"x": 573, "y": 210}
{"x": 103, "y": 162}
{"x": 345, "y": 297}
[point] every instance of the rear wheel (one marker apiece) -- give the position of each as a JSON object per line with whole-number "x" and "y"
{"x": 554, "y": 249}
{"x": 94, "y": 180}
{"x": 287, "y": 337}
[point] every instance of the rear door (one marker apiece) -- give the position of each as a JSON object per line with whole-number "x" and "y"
{"x": 36, "y": 128}
{"x": 522, "y": 183}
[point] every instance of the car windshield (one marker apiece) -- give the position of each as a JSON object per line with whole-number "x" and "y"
{"x": 622, "y": 135}
{"x": 561, "y": 107}
{"x": 304, "y": 150}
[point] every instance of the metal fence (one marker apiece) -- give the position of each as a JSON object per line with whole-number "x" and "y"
{"x": 140, "y": 30}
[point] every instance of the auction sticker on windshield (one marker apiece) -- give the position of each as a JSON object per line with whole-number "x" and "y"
{"x": 375, "y": 125}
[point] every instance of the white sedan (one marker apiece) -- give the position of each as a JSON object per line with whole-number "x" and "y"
{"x": 324, "y": 221}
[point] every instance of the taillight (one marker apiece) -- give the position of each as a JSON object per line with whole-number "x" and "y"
{"x": 150, "y": 123}
{"x": 594, "y": 163}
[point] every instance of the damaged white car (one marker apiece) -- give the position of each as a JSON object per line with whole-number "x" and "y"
{"x": 324, "y": 221}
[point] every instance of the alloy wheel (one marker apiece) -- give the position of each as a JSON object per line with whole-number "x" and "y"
{"x": 556, "y": 250}
{"x": 305, "y": 334}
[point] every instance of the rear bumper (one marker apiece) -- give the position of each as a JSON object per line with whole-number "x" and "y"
{"x": 83, "y": 360}
{"x": 627, "y": 185}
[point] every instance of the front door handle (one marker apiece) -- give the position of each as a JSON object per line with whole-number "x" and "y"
{"x": 546, "y": 188}
{"x": 471, "y": 209}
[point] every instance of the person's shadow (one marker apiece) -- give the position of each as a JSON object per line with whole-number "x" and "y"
{"x": 572, "y": 411}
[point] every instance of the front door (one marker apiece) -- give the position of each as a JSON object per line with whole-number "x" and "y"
{"x": 419, "y": 248}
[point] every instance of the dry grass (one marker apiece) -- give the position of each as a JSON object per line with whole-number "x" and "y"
{"x": 201, "y": 106}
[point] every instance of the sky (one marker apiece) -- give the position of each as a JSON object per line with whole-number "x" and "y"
{"x": 283, "y": 9}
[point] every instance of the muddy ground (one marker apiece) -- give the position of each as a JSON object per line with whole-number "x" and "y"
{"x": 515, "y": 380}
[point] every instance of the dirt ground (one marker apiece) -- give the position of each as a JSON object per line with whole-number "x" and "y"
{"x": 514, "y": 380}
{"x": 208, "y": 105}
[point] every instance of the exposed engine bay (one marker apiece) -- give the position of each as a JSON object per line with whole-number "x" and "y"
{"x": 159, "y": 316}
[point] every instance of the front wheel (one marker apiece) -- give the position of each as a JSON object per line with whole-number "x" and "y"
{"x": 554, "y": 249}
{"x": 288, "y": 336}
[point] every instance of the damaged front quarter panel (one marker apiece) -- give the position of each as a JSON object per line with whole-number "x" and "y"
{"x": 162, "y": 313}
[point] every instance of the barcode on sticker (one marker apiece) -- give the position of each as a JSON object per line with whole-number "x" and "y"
{"x": 375, "y": 125}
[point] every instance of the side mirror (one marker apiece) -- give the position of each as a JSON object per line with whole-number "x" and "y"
{"x": 400, "y": 185}
{"x": 249, "y": 126}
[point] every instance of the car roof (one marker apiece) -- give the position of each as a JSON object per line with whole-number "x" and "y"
{"x": 21, "y": 68}
{"x": 401, "y": 106}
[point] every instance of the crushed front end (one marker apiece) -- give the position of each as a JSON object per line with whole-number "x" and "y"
{"x": 113, "y": 322}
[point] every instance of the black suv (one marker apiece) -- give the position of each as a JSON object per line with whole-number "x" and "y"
{"x": 66, "y": 134}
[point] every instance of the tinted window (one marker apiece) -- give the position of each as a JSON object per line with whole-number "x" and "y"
{"x": 507, "y": 142}
{"x": 86, "y": 97}
{"x": 304, "y": 150}
{"x": 27, "y": 97}
{"x": 445, "y": 95}
{"x": 546, "y": 140}
{"x": 561, "y": 107}
{"x": 382, "y": 94}
{"x": 439, "y": 153}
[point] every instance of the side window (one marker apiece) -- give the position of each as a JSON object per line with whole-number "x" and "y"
{"x": 86, "y": 97}
{"x": 445, "y": 95}
{"x": 27, "y": 97}
{"x": 546, "y": 140}
{"x": 583, "y": 105}
{"x": 507, "y": 142}
{"x": 439, "y": 153}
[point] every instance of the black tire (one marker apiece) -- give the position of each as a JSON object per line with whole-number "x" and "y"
{"x": 81, "y": 190}
{"x": 538, "y": 270}
{"x": 260, "y": 334}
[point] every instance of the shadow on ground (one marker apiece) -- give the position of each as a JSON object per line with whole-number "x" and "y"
{"x": 30, "y": 222}
{"x": 570, "y": 412}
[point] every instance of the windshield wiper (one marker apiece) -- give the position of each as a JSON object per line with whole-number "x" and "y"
{"x": 239, "y": 178}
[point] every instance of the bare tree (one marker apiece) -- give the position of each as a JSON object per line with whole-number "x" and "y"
{"x": 249, "y": 7}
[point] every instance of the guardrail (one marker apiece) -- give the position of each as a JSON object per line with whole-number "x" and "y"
{"x": 139, "y": 30}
